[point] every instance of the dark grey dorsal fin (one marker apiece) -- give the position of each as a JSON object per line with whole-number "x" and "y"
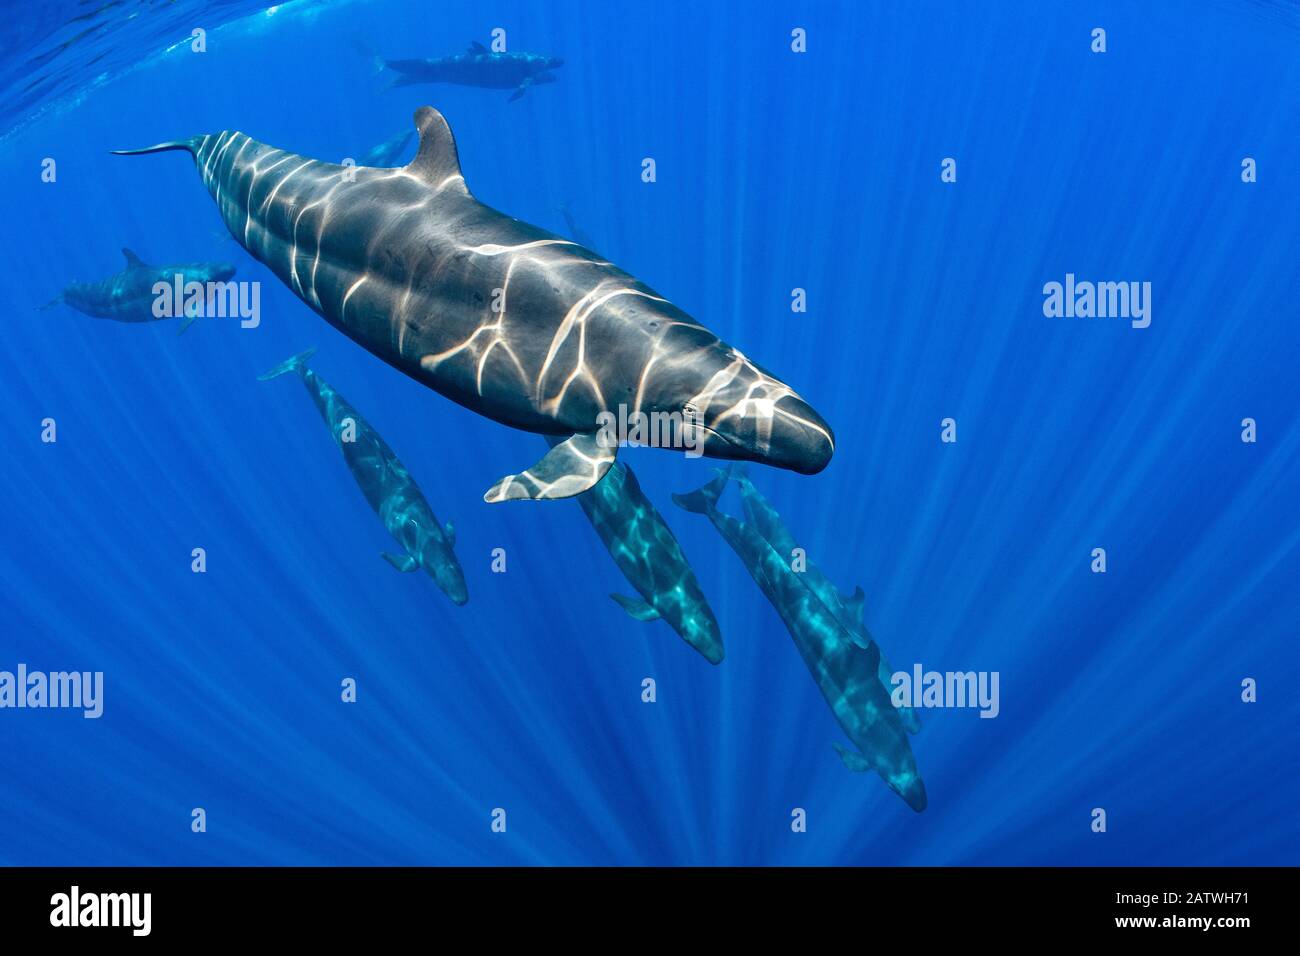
{"x": 476, "y": 47}
{"x": 436, "y": 161}
{"x": 132, "y": 260}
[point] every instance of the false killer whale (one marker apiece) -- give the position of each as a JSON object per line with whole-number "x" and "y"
{"x": 506, "y": 319}
{"x": 132, "y": 295}
{"x": 847, "y": 674}
{"x": 385, "y": 482}
{"x": 478, "y": 66}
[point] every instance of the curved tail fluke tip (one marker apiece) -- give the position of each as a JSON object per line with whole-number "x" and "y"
{"x": 705, "y": 499}
{"x": 296, "y": 364}
{"x": 189, "y": 145}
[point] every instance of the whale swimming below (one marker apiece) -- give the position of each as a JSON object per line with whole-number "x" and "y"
{"x": 847, "y": 674}
{"x": 387, "y": 485}
{"x": 847, "y": 610}
{"x": 646, "y": 551}
{"x": 510, "y": 321}
{"x": 131, "y": 295}
{"x": 478, "y": 66}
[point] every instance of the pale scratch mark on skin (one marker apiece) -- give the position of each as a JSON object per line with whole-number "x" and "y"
{"x": 493, "y": 249}
{"x": 401, "y": 317}
{"x": 353, "y": 288}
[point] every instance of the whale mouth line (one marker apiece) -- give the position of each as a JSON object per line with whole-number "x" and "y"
{"x": 713, "y": 431}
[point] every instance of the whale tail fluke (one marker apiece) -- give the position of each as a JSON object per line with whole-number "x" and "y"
{"x": 190, "y": 145}
{"x": 703, "y": 501}
{"x": 407, "y": 72}
{"x": 296, "y": 364}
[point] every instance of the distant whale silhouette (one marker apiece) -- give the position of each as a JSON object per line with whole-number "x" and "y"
{"x": 386, "y": 483}
{"x": 847, "y": 673}
{"x": 478, "y": 66}
{"x": 509, "y": 320}
{"x": 130, "y": 296}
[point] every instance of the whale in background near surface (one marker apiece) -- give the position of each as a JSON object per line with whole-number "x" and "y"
{"x": 386, "y": 483}
{"x": 387, "y": 153}
{"x": 846, "y": 672}
{"x": 509, "y": 320}
{"x": 129, "y": 295}
{"x": 646, "y": 551}
{"x": 847, "y": 610}
{"x": 478, "y": 66}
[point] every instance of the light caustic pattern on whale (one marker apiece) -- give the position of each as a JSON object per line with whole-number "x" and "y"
{"x": 513, "y": 322}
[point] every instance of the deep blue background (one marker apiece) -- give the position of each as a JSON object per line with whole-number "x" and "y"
{"x": 775, "y": 170}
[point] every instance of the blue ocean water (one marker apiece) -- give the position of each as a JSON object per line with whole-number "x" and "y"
{"x": 776, "y": 170}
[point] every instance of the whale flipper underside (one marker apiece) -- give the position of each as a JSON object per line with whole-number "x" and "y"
{"x": 854, "y": 761}
{"x": 403, "y": 562}
{"x": 636, "y": 609}
{"x": 568, "y": 469}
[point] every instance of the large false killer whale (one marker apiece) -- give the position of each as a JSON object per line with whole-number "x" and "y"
{"x": 509, "y": 320}
{"x": 478, "y": 66}
{"x": 132, "y": 295}
{"x": 647, "y": 552}
{"x": 387, "y": 485}
{"x": 846, "y": 672}
{"x": 847, "y": 610}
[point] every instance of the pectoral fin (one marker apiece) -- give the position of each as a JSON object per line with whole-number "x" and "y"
{"x": 568, "y": 469}
{"x": 521, "y": 89}
{"x": 188, "y": 318}
{"x": 855, "y": 762}
{"x": 403, "y": 562}
{"x": 638, "y": 610}
{"x": 855, "y": 604}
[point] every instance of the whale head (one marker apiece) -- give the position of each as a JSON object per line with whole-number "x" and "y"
{"x": 742, "y": 411}
{"x": 451, "y": 581}
{"x": 910, "y": 787}
{"x": 446, "y": 573}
